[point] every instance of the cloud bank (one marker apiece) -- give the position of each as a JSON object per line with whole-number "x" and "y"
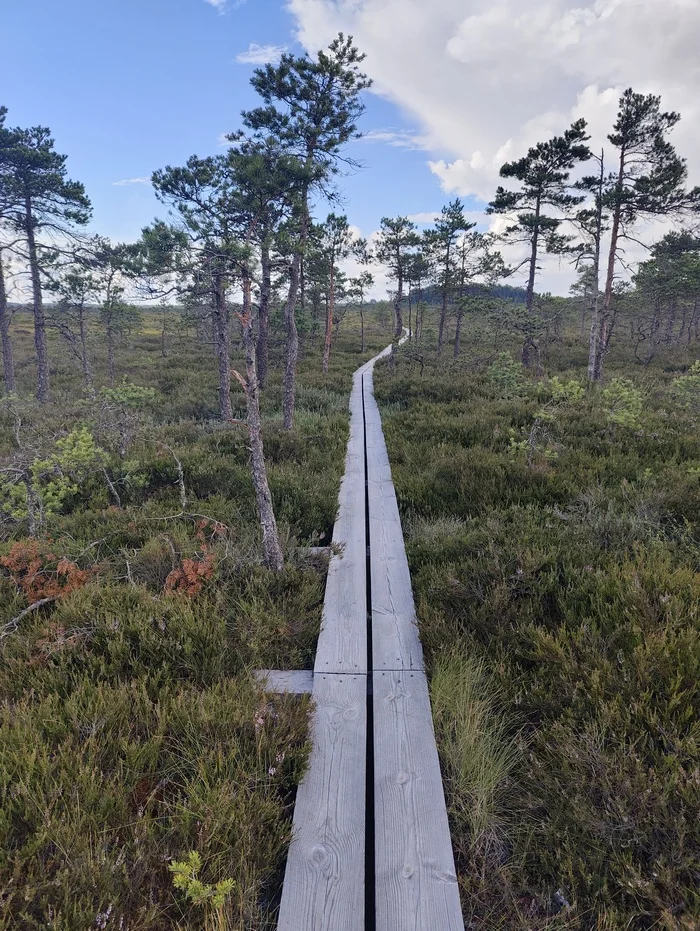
{"x": 485, "y": 79}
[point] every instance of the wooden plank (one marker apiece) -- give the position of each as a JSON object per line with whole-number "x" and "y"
{"x": 285, "y": 681}
{"x": 395, "y": 638}
{"x": 416, "y": 884}
{"x": 324, "y": 884}
{"x": 342, "y": 645}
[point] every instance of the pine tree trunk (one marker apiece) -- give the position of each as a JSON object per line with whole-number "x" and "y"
{"x": 595, "y": 301}
{"x": 290, "y": 362}
{"x": 222, "y": 329}
{"x": 529, "y": 344}
{"x": 330, "y": 307}
{"x": 42, "y": 357}
{"x": 262, "y": 348}
{"x": 8, "y": 358}
{"x": 110, "y": 353}
{"x": 84, "y": 359}
{"x": 398, "y": 318}
{"x": 443, "y": 308}
{"x": 604, "y": 329}
{"x": 458, "y": 334}
{"x": 271, "y": 545}
{"x": 362, "y": 325}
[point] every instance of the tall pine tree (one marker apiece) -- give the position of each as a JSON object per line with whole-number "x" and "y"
{"x": 544, "y": 174}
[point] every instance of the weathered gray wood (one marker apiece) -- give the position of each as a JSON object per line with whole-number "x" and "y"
{"x": 416, "y": 884}
{"x": 342, "y": 645}
{"x": 395, "y": 638}
{"x": 282, "y": 681}
{"x": 325, "y": 877}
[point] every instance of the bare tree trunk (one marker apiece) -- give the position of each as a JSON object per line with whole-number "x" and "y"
{"x": 42, "y": 357}
{"x": 84, "y": 359}
{"x": 605, "y": 320}
{"x": 110, "y": 352}
{"x": 8, "y": 359}
{"x": 262, "y": 348}
{"x": 222, "y": 330}
{"x": 595, "y": 302}
{"x": 458, "y": 333}
{"x": 290, "y": 362}
{"x": 443, "y": 308}
{"x": 410, "y": 314}
{"x": 529, "y": 344}
{"x": 271, "y": 544}
{"x": 330, "y": 307}
{"x": 362, "y": 324}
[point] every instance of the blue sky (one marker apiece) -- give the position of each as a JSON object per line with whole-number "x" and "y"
{"x": 128, "y": 86}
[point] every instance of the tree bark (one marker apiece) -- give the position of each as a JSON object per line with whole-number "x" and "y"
{"x": 529, "y": 344}
{"x": 271, "y": 545}
{"x": 595, "y": 302}
{"x": 262, "y": 348}
{"x": 443, "y": 308}
{"x": 330, "y": 307}
{"x": 8, "y": 358}
{"x": 398, "y": 313}
{"x": 110, "y": 352}
{"x": 604, "y": 329}
{"x": 292, "y": 353}
{"x": 362, "y": 324}
{"x": 42, "y": 357}
{"x": 84, "y": 358}
{"x": 222, "y": 329}
{"x": 458, "y": 333}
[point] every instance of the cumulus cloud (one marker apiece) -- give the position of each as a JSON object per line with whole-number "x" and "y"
{"x": 126, "y": 182}
{"x": 485, "y": 79}
{"x": 261, "y": 54}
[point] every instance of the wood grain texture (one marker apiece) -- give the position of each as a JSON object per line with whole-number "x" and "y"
{"x": 416, "y": 884}
{"x": 395, "y": 638}
{"x": 325, "y": 877}
{"x": 342, "y": 645}
{"x": 285, "y": 681}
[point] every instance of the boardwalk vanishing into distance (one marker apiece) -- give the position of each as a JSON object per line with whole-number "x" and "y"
{"x": 371, "y": 845}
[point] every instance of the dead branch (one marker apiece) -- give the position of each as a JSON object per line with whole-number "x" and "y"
{"x": 11, "y": 626}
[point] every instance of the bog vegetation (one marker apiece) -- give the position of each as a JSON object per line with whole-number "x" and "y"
{"x": 172, "y": 435}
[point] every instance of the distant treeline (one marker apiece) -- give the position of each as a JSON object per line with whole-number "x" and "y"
{"x": 503, "y": 292}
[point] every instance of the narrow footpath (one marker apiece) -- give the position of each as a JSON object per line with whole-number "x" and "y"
{"x": 371, "y": 846}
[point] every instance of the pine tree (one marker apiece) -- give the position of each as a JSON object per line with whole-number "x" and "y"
{"x": 41, "y": 199}
{"x": 396, "y": 244}
{"x": 442, "y": 241}
{"x": 336, "y": 243}
{"x": 649, "y": 182}
{"x": 543, "y": 174}
{"x": 311, "y": 108}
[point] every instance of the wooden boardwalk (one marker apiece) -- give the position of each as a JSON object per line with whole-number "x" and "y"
{"x": 371, "y": 846}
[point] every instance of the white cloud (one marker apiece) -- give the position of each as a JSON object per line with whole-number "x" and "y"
{"x": 424, "y": 218}
{"x": 485, "y": 79}
{"x": 219, "y": 5}
{"x": 125, "y": 182}
{"x": 400, "y": 139}
{"x": 261, "y": 54}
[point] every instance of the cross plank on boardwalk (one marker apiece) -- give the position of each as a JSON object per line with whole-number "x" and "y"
{"x": 285, "y": 681}
{"x": 416, "y": 885}
{"x": 324, "y": 884}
